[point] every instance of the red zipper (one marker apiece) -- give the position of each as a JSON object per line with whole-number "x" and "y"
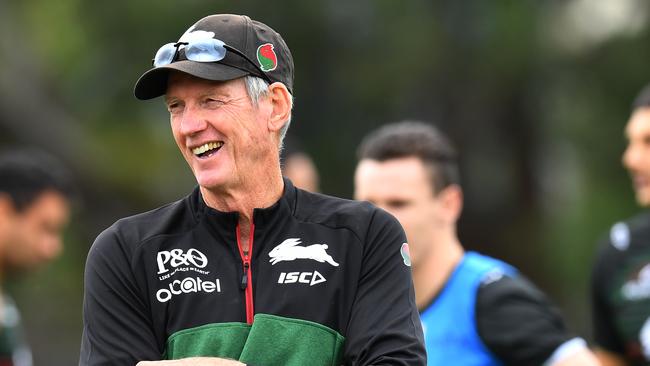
{"x": 246, "y": 280}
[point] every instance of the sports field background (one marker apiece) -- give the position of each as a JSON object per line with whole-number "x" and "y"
{"x": 535, "y": 94}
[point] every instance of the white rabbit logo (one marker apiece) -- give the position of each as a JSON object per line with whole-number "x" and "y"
{"x": 289, "y": 250}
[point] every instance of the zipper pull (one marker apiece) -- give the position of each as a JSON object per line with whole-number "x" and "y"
{"x": 244, "y": 278}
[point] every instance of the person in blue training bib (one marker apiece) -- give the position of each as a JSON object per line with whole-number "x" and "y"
{"x": 475, "y": 310}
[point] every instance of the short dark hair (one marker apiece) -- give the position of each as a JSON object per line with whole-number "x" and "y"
{"x": 417, "y": 139}
{"x": 27, "y": 173}
{"x": 642, "y": 99}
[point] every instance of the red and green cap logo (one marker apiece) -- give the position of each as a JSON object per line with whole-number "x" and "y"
{"x": 405, "y": 254}
{"x": 266, "y": 57}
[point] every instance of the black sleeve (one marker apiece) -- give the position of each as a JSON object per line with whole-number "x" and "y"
{"x": 517, "y": 323}
{"x": 384, "y": 326}
{"x": 605, "y": 334}
{"x": 117, "y": 326}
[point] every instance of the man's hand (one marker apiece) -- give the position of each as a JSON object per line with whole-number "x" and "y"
{"x": 193, "y": 361}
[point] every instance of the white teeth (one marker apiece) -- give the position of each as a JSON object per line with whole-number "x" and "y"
{"x": 206, "y": 147}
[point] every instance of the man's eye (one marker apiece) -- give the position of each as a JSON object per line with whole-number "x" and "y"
{"x": 646, "y": 140}
{"x": 397, "y": 204}
{"x": 173, "y": 107}
{"x": 213, "y": 103}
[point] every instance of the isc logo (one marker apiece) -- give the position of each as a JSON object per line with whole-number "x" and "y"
{"x": 310, "y": 278}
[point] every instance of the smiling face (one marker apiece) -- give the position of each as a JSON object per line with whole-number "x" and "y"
{"x": 223, "y": 137}
{"x": 637, "y": 154}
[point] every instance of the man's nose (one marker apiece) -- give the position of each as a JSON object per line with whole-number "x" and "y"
{"x": 192, "y": 121}
{"x": 632, "y": 156}
{"x": 627, "y": 157}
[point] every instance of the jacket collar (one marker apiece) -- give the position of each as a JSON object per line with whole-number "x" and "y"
{"x": 262, "y": 217}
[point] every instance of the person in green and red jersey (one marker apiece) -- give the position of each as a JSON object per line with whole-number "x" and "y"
{"x": 246, "y": 269}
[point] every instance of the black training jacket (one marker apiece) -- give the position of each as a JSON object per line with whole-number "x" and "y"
{"x": 326, "y": 282}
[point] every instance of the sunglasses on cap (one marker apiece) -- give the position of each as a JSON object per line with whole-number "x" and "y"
{"x": 204, "y": 50}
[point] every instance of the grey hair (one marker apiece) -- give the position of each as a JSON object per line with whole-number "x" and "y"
{"x": 258, "y": 88}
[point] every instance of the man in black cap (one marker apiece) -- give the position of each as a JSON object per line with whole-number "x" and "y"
{"x": 247, "y": 269}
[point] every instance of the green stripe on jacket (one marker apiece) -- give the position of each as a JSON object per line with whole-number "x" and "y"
{"x": 271, "y": 340}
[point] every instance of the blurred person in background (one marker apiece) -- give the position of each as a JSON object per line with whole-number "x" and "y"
{"x": 298, "y": 166}
{"x": 475, "y": 310}
{"x": 246, "y": 268}
{"x": 621, "y": 273}
{"x": 35, "y": 194}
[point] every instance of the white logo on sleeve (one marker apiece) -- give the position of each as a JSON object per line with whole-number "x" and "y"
{"x": 290, "y": 250}
{"x": 619, "y": 235}
{"x": 638, "y": 288}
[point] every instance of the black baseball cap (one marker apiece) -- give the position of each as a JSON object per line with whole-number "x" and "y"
{"x": 263, "y": 47}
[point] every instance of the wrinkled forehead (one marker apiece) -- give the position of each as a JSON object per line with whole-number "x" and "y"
{"x": 180, "y": 83}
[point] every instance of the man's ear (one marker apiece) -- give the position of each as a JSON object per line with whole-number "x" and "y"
{"x": 7, "y": 212}
{"x": 281, "y": 103}
{"x": 451, "y": 199}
